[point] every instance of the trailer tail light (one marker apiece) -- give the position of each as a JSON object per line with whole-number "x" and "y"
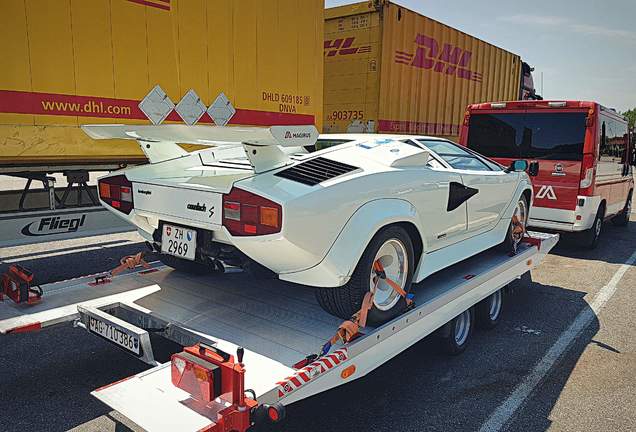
{"x": 248, "y": 214}
{"x": 117, "y": 192}
{"x": 587, "y": 173}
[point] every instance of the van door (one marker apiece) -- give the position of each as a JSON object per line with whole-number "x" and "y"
{"x": 553, "y": 139}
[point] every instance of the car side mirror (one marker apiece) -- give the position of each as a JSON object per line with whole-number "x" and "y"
{"x": 533, "y": 169}
{"x": 518, "y": 166}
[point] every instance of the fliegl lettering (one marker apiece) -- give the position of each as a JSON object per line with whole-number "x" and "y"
{"x": 53, "y": 225}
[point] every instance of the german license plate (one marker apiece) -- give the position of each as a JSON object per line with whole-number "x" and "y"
{"x": 114, "y": 334}
{"x": 178, "y": 241}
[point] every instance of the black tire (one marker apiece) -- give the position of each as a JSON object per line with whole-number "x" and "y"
{"x": 622, "y": 219}
{"x": 590, "y": 237}
{"x": 346, "y": 300}
{"x": 509, "y": 245}
{"x": 186, "y": 266}
{"x": 488, "y": 311}
{"x": 448, "y": 341}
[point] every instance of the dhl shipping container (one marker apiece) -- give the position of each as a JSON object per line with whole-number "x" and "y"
{"x": 391, "y": 70}
{"x": 72, "y": 62}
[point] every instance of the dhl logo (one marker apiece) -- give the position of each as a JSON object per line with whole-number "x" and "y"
{"x": 344, "y": 46}
{"x": 159, "y": 4}
{"x": 449, "y": 60}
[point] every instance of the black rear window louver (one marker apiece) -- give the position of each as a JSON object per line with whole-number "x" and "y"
{"x": 315, "y": 170}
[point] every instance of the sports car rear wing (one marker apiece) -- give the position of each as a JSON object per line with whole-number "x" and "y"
{"x": 261, "y": 144}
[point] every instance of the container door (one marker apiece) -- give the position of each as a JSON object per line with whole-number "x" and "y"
{"x": 555, "y": 140}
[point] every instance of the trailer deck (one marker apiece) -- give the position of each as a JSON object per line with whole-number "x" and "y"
{"x": 277, "y": 323}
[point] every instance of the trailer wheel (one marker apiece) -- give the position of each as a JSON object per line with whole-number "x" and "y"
{"x": 488, "y": 311}
{"x": 456, "y": 334}
{"x": 186, "y": 266}
{"x": 393, "y": 249}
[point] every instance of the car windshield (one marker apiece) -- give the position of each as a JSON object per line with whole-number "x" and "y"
{"x": 556, "y": 136}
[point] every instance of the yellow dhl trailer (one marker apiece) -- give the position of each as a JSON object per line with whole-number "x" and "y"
{"x": 73, "y": 62}
{"x": 391, "y": 70}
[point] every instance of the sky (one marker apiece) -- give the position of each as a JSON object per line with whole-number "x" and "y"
{"x": 585, "y": 49}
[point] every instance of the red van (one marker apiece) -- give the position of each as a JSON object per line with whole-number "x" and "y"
{"x": 579, "y": 157}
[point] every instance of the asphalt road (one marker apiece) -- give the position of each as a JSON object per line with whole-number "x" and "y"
{"x": 563, "y": 357}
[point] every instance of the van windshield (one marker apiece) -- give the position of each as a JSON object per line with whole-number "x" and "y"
{"x": 555, "y": 136}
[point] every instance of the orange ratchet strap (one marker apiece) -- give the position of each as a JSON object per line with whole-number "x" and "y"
{"x": 130, "y": 262}
{"x": 350, "y": 329}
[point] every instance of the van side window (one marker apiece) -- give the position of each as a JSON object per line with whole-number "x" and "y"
{"x": 613, "y": 141}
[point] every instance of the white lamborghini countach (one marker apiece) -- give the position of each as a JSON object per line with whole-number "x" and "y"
{"x": 343, "y": 213}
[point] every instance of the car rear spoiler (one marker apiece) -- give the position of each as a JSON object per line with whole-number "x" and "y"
{"x": 262, "y": 144}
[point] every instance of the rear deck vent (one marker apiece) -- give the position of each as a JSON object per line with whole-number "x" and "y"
{"x": 315, "y": 170}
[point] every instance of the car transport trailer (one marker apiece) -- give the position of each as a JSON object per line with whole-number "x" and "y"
{"x": 249, "y": 343}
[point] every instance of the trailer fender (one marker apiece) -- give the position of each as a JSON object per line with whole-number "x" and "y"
{"x": 336, "y": 267}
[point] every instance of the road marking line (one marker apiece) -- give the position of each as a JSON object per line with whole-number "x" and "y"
{"x": 504, "y": 412}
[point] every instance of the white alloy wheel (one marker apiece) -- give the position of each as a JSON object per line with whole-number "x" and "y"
{"x": 496, "y": 301}
{"x": 390, "y": 265}
{"x": 462, "y": 328}
{"x": 519, "y": 223}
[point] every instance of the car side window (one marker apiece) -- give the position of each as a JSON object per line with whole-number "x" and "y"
{"x": 456, "y": 156}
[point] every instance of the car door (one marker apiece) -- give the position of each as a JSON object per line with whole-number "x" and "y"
{"x": 487, "y": 190}
{"x": 432, "y": 187}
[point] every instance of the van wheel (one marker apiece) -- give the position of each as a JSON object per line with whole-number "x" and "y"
{"x": 456, "y": 334}
{"x": 186, "y": 266}
{"x": 517, "y": 227}
{"x": 391, "y": 249}
{"x": 622, "y": 219}
{"x": 592, "y": 235}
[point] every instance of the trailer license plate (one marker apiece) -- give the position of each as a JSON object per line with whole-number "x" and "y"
{"x": 114, "y": 334}
{"x": 178, "y": 241}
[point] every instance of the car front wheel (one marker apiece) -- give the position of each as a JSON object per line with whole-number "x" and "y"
{"x": 517, "y": 227}
{"x": 387, "y": 261}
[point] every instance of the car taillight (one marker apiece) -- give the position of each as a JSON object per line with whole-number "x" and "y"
{"x": 587, "y": 171}
{"x": 248, "y": 214}
{"x": 117, "y": 192}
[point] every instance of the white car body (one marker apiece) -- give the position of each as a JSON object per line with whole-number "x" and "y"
{"x": 325, "y": 227}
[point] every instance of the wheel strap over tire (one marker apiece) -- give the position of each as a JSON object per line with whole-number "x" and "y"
{"x": 350, "y": 329}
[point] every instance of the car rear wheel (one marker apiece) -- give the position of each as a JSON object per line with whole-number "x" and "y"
{"x": 622, "y": 219}
{"x": 186, "y": 266}
{"x": 387, "y": 260}
{"x": 517, "y": 227}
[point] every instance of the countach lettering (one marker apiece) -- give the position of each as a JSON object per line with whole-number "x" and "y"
{"x": 196, "y": 207}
